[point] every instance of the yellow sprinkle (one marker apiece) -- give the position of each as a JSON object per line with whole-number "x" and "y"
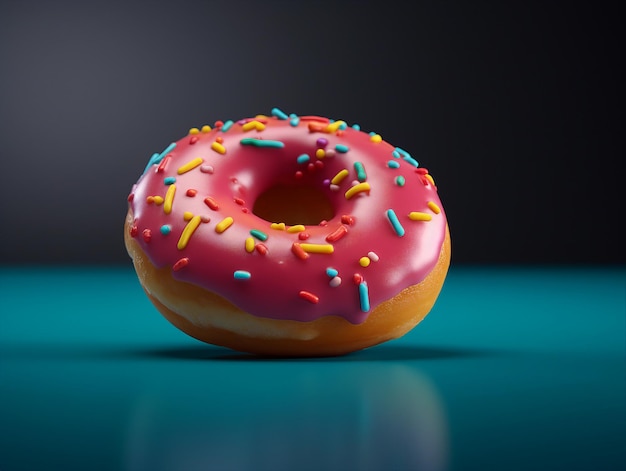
{"x": 224, "y": 224}
{"x": 296, "y": 228}
{"x": 190, "y": 165}
{"x": 194, "y": 131}
{"x": 219, "y": 148}
{"x": 376, "y": 138}
{"x": 157, "y": 200}
{"x": 430, "y": 179}
{"x": 206, "y": 128}
{"x": 259, "y": 126}
{"x": 187, "y": 216}
{"x": 364, "y": 262}
{"x": 317, "y": 248}
{"x": 188, "y": 231}
{"x": 279, "y": 226}
{"x": 360, "y": 188}
{"x": 417, "y": 216}
{"x": 339, "y": 177}
{"x": 433, "y": 207}
{"x": 250, "y": 244}
{"x": 332, "y": 127}
{"x": 320, "y": 153}
{"x": 261, "y": 116}
{"x": 169, "y": 199}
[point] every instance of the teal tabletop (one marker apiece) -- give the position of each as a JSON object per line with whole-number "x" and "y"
{"x": 516, "y": 368}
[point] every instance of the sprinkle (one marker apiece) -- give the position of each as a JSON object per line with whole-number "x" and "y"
{"x": 433, "y": 207}
{"x": 169, "y": 199}
{"x": 219, "y": 139}
{"x": 320, "y": 153}
{"x": 299, "y": 251}
{"x": 395, "y": 223}
{"x": 303, "y": 235}
{"x": 337, "y": 234}
{"x": 321, "y": 142}
{"x": 219, "y": 148}
{"x": 342, "y": 148}
{"x": 239, "y": 201}
{"x": 357, "y": 278}
{"x": 347, "y": 219}
{"x": 360, "y": 188}
{"x": 396, "y": 154}
{"x": 360, "y": 171}
{"x": 337, "y": 179}
{"x": 279, "y": 226}
{"x": 163, "y": 164}
{"x": 295, "y": 229}
{"x": 310, "y": 297}
{"x": 205, "y": 218}
{"x": 376, "y": 138}
{"x": 187, "y": 216}
{"x": 373, "y": 256}
{"x": 169, "y": 180}
{"x": 188, "y": 231}
{"x": 400, "y": 181}
{"x": 131, "y": 197}
{"x": 224, "y": 224}
{"x": 303, "y": 158}
{"x": 294, "y": 121}
{"x": 191, "y": 192}
{"x": 364, "y": 297}
{"x": 332, "y": 272}
{"x": 258, "y": 234}
{"x": 429, "y": 177}
{"x": 227, "y": 125}
{"x": 298, "y": 174}
{"x": 149, "y": 199}
{"x": 147, "y": 235}
{"x": 334, "y": 187}
{"x": 157, "y": 158}
{"x": 249, "y": 245}
{"x": 211, "y": 203}
{"x": 410, "y": 160}
{"x": 278, "y": 113}
{"x": 206, "y": 128}
{"x": 393, "y": 164}
{"x": 190, "y": 165}
{"x": 193, "y": 140}
{"x": 182, "y": 263}
{"x": 250, "y": 125}
{"x": 261, "y": 248}
{"x": 206, "y": 169}
{"x": 318, "y": 248}
{"x": 316, "y": 127}
{"x": 253, "y": 141}
{"x": 166, "y": 229}
{"x": 356, "y": 127}
{"x": 330, "y": 153}
{"x": 335, "y": 281}
{"x": 194, "y": 131}
{"x": 158, "y": 200}
{"x": 241, "y": 275}
{"x": 364, "y": 262}
{"x": 418, "y": 216}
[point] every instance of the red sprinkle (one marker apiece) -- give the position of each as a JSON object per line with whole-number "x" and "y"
{"x": 310, "y": 167}
{"x": 218, "y": 124}
{"x": 349, "y": 220}
{"x": 193, "y": 139}
{"x": 219, "y": 139}
{"x": 133, "y": 231}
{"x": 239, "y": 201}
{"x": 211, "y": 203}
{"x": 421, "y": 171}
{"x": 303, "y": 235}
{"x": 310, "y": 297}
{"x": 191, "y": 192}
{"x": 261, "y": 248}
{"x": 323, "y": 223}
{"x": 298, "y": 174}
{"x": 316, "y": 127}
{"x": 245, "y": 210}
{"x": 319, "y": 164}
{"x": 357, "y": 278}
{"x": 182, "y": 263}
{"x": 339, "y": 133}
{"x": 164, "y": 163}
{"x": 337, "y": 234}
{"x": 147, "y": 235}
{"x": 299, "y": 251}
{"x": 150, "y": 199}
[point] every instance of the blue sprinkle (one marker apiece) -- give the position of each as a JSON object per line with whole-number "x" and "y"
{"x": 166, "y": 229}
{"x": 303, "y": 159}
{"x": 411, "y": 160}
{"x": 169, "y": 180}
{"x": 343, "y": 126}
{"x": 393, "y": 164}
{"x": 252, "y": 141}
{"x": 156, "y": 158}
{"x": 395, "y": 223}
{"x": 406, "y": 156}
{"x": 242, "y": 275}
{"x": 294, "y": 121}
{"x": 396, "y": 154}
{"x": 342, "y": 148}
{"x": 372, "y": 133}
{"x": 227, "y": 125}
{"x": 356, "y": 127}
{"x": 400, "y": 181}
{"x": 364, "y": 297}
{"x": 279, "y": 114}
{"x": 293, "y": 115}
{"x": 331, "y": 272}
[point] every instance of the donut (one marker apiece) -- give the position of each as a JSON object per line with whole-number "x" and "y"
{"x": 288, "y": 235}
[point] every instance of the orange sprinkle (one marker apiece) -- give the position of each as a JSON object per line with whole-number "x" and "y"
{"x": 299, "y": 252}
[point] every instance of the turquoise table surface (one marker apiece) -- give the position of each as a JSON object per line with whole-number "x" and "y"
{"x": 514, "y": 369}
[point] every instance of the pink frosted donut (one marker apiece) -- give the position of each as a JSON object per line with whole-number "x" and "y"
{"x": 288, "y": 235}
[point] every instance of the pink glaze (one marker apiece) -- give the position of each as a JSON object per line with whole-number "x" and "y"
{"x": 277, "y": 278}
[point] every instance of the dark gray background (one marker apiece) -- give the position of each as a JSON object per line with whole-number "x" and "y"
{"x": 514, "y": 109}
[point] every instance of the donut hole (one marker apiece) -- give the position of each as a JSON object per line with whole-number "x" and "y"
{"x": 294, "y": 204}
